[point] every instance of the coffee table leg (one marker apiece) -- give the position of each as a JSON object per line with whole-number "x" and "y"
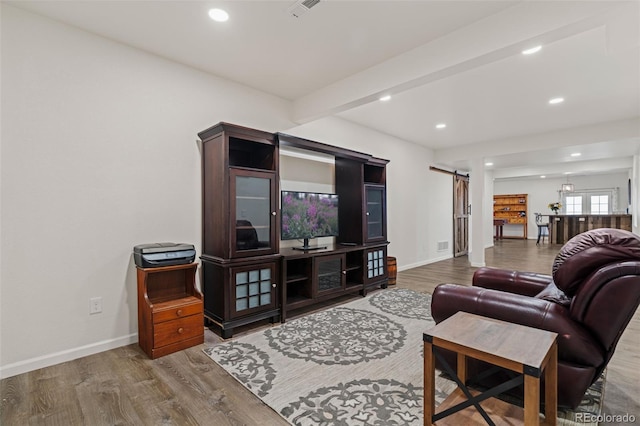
{"x": 531, "y": 400}
{"x": 429, "y": 384}
{"x": 462, "y": 368}
{"x": 551, "y": 388}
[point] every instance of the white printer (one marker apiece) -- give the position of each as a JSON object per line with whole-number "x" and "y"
{"x": 163, "y": 254}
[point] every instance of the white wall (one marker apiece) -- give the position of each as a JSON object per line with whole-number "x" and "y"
{"x": 99, "y": 153}
{"x": 541, "y": 192}
{"x": 488, "y": 209}
{"x": 419, "y": 201}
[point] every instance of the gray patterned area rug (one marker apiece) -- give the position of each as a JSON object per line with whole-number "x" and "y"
{"x": 355, "y": 364}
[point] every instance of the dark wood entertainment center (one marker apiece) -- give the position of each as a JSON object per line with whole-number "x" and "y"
{"x": 309, "y": 277}
{"x": 246, "y": 276}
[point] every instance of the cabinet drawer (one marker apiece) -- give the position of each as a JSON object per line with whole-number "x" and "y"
{"x": 177, "y": 309}
{"x": 174, "y": 331}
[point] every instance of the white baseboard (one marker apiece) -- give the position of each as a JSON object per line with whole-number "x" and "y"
{"x": 425, "y": 262}
{"x": 64, "y": 356}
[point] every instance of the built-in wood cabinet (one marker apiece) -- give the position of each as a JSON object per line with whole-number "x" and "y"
{"x": 310, "y": 277}
{"x": 239, "y": 192}
{"x": 240, "y": 292}
{"x": 169, "y": 309}
{"x": 361, "y": 188}
{"x": 513, "y": 209}
{"x": 375, "y": 191}
{"x": 246, "y": 277}
{"x": 240, "y": 225}
{"x": 375, "y": 211}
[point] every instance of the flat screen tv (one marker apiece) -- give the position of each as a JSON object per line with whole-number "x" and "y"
{"x": 307, "y": 215}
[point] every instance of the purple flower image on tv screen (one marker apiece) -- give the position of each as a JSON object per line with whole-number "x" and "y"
{"x": 309, "y": 215}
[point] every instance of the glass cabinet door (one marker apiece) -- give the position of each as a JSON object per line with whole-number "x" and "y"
{"x": 375, "y": 212}
{"x": 329, "y": 273}
{"x": 253, "y": 288}
{"x": 254, "y": 212}
{"x": 376, "y": 265}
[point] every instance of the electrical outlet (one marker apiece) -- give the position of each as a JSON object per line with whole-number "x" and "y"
{"x": 95, "y": 305}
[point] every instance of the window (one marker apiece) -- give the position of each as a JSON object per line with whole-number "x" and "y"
{"x": 590, "y": 201}
{"x": 573, "y": 204}
{"x": 599, "y": 204}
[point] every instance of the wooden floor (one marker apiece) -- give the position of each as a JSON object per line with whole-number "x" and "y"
{"x": 123, "y": 387}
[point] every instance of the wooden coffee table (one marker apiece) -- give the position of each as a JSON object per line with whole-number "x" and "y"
{"x": 528, "y": 351}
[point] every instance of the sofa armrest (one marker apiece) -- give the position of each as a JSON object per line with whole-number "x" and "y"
{"x": 525, "y": 283}
{"x": 575, "y": 343}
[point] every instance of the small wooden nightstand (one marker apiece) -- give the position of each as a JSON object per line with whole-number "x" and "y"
{"x": 170, "y": 309}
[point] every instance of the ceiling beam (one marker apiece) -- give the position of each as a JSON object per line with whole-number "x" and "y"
{"x": 486, "y": 41}
{"x": 622, "y": 130}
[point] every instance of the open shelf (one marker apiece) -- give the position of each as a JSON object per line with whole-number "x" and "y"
{"x": 254, "y": 155}
{"x": 296, "y": 278}
{"x": 354, "y": 285}
{"x": 374, "y": 173}
{"x": 513, "y": 209}
{"x": 295, "y": 302}
{"x": 161, "y": 302}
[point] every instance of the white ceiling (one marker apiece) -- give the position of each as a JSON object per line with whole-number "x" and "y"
{"x": 457, "y": 62}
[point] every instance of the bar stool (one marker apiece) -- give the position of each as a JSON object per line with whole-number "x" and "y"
{"x": 499, "y": 224}
{"x": 543, "y": 228}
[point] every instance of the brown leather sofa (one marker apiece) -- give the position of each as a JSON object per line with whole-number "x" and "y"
{"x": 588, "y": 300}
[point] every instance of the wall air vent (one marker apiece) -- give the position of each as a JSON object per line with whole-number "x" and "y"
{"x": 301, "y": 7}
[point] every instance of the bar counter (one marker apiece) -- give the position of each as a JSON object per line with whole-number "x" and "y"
{"x": 565, "y": 227}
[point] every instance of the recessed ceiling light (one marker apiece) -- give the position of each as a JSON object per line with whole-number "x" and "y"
{"x": 385, "y": 98}
{"x": 556, "y": 101}
{"x": 531, "y": 50}
{"x": 488, "y": 164}
{"x": 441, "y": 126}
{"x": 218, "y": 15}
{"x": 543, "y": 177}
{"x": 576, "y": 154}
{"x": 567, "y": 173}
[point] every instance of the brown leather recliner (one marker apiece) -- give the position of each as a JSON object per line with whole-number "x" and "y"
{"x": 590, "y": 298}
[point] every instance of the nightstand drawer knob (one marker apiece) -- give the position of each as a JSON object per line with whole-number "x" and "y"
{"x": 179, "y": 312}
{"x": 180, "y": 330}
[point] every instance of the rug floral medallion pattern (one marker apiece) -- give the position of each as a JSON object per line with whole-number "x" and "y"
{"x": 403, "y": 303}
{"x": 361, "y": 402}
{"x": 247, "y": 364}
{"x": 338, "y": 336}
{"x": 355, "y": 364}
